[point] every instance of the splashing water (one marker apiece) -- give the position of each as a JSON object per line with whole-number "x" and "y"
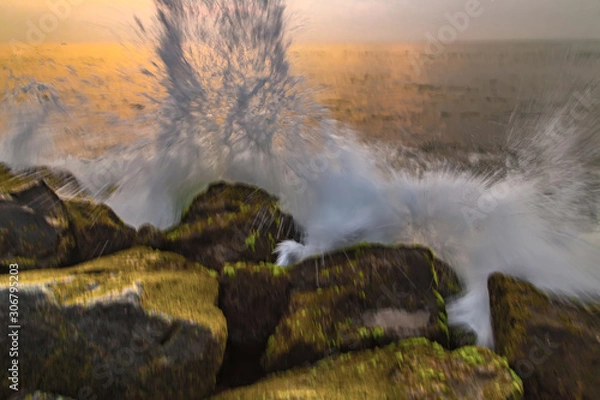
{"x": 234, "y": 111}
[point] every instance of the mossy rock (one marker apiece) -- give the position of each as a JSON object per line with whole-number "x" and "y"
{"x": 140, "y": 324}
{"x": 357, "y": 298}
{"x": 410, "y": 369}
{"x": 150, "y": 236}
{"x": 57, "y": 180}
{"x": 38, "y": 230}
{"x": 553, "y": 345}
{"x": 60, "y": 181}
{"x": 10, "y": 181}
{"x": 97, "y": 230}
{"x": 34, "y": 227}
{"x": 230, "y": 223}
{"x": 448, "y": 283}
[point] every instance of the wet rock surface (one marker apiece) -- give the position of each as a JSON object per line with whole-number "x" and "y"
{"x": 97, "y": 231}
{"x": 553, "y": 345}
{"x": 355, "y": 299}
{"x": 409, "y": 369}
{"x": 230, "y": 223}
{"x": 39, "y": 230}
{"x": 137, "y": 325}
{"x": 103, "y": 318}
{"x": 34, "y": 227}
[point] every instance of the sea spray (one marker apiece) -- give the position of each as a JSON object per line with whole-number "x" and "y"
{"x": 527, "y": 223}
{"x": 234, "y": 111}
{"x": 28, "y": 106}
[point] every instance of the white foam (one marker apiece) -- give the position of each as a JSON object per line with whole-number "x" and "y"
{"x": 235, "y": 112}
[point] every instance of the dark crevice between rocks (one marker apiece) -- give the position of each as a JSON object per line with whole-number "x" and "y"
{"x": 241, "y": 367}
{"x": 253, "y": 301}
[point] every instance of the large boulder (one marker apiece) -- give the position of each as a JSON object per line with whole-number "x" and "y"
{"x": 140, "y": 324}
{"x": 34, "y": 227}
{"x": 358, "y": 298}
{"x": 40, "y": 230}
{"x": 352, "y": 299}
{"x": 409, "y": 369}
{"x": 230, "y": 223}
{"x": 553, "y": 345}
{"x": 97, "y": 231}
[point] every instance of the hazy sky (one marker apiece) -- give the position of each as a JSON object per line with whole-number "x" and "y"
{"x": 323, "y": 20}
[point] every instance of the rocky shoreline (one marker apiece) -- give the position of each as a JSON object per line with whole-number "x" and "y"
{"x": 200, "y": 311}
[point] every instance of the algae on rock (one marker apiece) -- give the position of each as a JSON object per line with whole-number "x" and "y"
{"x": 34, "y": 227}
{"x": 39, "y": 230}
{"x": 357, "y": 298}
{"x": 230, "y": 223}
{"x": 552, "y": 344}
{"x": 147, "y": 322}
{"x": 97, "y": 230}
{"x": 409, "y": 369}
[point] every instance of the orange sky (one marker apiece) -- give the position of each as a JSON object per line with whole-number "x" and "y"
{"x": 322, "y": 20}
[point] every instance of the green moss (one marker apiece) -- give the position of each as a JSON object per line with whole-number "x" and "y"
{"x": 251, "y": 240}
{"x": 414, "y": 368}
{"x": 10, "y": 182}
{"x": 519, "y": 299}
{"x": 274, "y": 269}
{"x": 272, "y": 241}
{"x": 218, "y": 221}
{"x": 470, "y": 355}
{"x": 170, "y": 285}
{"x": 378, "y": 332}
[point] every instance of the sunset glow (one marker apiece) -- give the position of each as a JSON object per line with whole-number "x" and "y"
{"x": 319, "y": 21}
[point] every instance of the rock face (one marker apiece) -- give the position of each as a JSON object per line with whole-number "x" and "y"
{"x": 34, "y": 227}
{"x": 39, "y": 230}
{"x": 554, "y": 346}
{"x": 230, "y": 223}
{"x": 57, "y": 180}
{"x": 409, "y": 369}
{"x": 356, "y": 299}
{"x": 144, "y": 323}
{"x": 350, "y": 300}
{"x": 97, "y": 231}
{"x": 140, "y": 324}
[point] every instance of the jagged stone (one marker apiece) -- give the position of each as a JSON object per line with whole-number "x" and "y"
{"x": 350, "y": 300}
{"x": 230, "y": 223}
{"x": 97, "y": 230}
{"x": 34, "y": 227}
{"x": 553, "y": 345}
